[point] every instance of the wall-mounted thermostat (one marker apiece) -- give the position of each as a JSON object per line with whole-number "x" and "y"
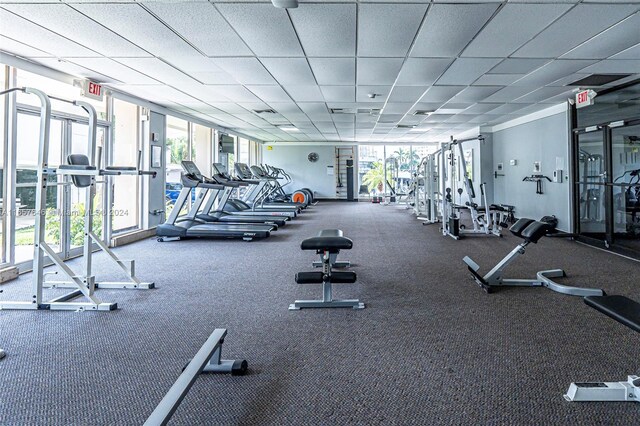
{"x": 513, "y": 162}
{"x": 537, "y": 167}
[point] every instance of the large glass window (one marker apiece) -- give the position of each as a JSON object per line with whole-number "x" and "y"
{"x": 243, "y": 150}
{"x": 177, "y": 147}
{"x": 371, "y": 174}
{"x": 126, "y": 192}
{"x": 202, "y": 147}
{"x": 3, "y": 168}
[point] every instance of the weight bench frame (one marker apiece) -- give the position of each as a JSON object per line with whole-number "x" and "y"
{"x": 339, "y": 264}
{"x": 628, "y": 390}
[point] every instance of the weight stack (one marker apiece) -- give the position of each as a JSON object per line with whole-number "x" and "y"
{"x": 350, "y": 192}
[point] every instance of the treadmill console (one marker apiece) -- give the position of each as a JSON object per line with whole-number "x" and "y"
{"x": 191, "y": 169}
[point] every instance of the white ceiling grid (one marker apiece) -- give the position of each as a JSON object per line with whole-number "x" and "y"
{"x": 472, "y": 62}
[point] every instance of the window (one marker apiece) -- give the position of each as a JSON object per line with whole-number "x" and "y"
{"x": 177, "y": 147}
{"x": 202, "y": 148}
{"x": 371, "y": 174}
{"x": 3, "y": 141}
{"x": 126, "y": 192}
{"x": 243, "y": 150}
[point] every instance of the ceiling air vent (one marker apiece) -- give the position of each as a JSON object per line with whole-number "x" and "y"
{"x": 370, "y": 111}
{"x": 422, "y": 112}
{"x": 341, "y": 111}
{"x": 405, "y": 126}
{"x": 598, "y": 79}
{"x": 264, "y": 111}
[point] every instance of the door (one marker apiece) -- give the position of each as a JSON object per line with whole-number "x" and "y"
{"x": 625, "y": 146}
{"x": 591, "y": 188}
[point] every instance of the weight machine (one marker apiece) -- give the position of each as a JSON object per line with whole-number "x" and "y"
{"x": 83, "y": 173}
{"x": 484, "y": 220}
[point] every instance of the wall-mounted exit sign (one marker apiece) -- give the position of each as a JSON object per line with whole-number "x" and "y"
{"x": 92, "y": 90}
{"x": 585, "y": 98}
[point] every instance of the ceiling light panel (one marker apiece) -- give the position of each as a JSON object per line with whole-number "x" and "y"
{"x": 326, "y": 29}
{"x": 69, "y": 23}
{"x": 578, "y": 25}
{"x": 265, "y": 29}
{"x": 137, "y": 25}
{"x": 387, "y": 30}
{"x": 440, "y": 94}
{"x": 245, "y": 70}
{"x": 465, "y": 71}
{"x": 507, "y": 31}
{"x": 378, "y": 71}
{"x": 31, "y": 34}
{"x": 615, "y": 39}
{"x": 422, "y": 71}
{"x": 290, "y": 71}
{"x": 448, "y": 28}
{"x": 202, "y": 25}
{"x": 334, "y": 71}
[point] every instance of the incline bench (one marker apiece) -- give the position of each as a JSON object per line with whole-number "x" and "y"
{"x": 627, "y": 312}
{"x": 328, "y": 244}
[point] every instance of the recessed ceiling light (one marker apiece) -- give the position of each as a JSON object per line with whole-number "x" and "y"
{"x": 289, "y": 128}
{"x": 416, "y": 129}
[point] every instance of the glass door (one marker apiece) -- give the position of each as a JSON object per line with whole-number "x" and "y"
{"x": 591, "y": 189}
{"x": 625, "y": 146}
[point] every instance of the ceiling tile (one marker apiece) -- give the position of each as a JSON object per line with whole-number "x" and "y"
{"x": 440, "y": 93}
{"x": 31, "y": 34}
{"x": 378, "y": 71}
{"x": 465, "y": 71}
{"x": 507, "y": 31}
{"x": 406, "y": 93}
{"x": 15, "y": 47}
{"x": 326, "y": 29}
{"x": 69, "y": 23}
{"x": 290, "y": 71}
{"x": 422, "y": 71}
{"x": 480, "y": 108}
{"x": 579, "y": 24}
{"x": 507, "y": 109}
{"x": 313, "y": 108}
{"x": 448, "y": 28}
{"x": 157, "y": 69}
{"x": 614, "y": 66}
{"x": 305, "y": 93}
{"x": 381, "y": 92}
{"x": 508, "y": 94}
{"x": 615, "y": 39}
{"x": 552, "y": 72}
{"x": 630, "y": 53}
{"x": 245, "y": 70}
{"x": 475, "y": 93}
{"x": 137, "y": 25}
{"x": 387, "y": 30}
{"x": 542, "y": 94}
{"x": 397, "y": 108}
{"x": 497, "y": 79}
{"x": 270, "y": 93}
{"x": 339, "y": 93}
{"x": 75, "y": 70}
{"x": 115, "y": 70}
{"x": 202, "y": 25}
{"x": 334, "y": 71}
{"x": 236, "y": 93}
{"x": 201, "y": 68}
{"x": 286, "y": 107}
{"x": 518, "y": 66}
{"x": 265, "y": 29}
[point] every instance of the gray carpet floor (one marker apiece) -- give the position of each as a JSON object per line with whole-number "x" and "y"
{"x": 430, "y": 348}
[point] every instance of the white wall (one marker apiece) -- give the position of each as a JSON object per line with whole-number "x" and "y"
{"x": 305, "y": 174}
{"x": 541, "y": 140}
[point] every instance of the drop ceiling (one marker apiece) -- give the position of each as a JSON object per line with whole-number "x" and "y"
{"x": 470, "y": 62}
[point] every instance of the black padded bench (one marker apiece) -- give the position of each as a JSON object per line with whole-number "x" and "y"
{"x": 328, "y": 244}
{"x": 333, "y": 255}
{"x": 627, "y": 312}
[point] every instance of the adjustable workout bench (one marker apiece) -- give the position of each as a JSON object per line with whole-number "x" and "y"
{"x": 531, "y": 231}
{"x": 627, "y": 312}
{"x": 333, "y": 254}
{"x": 328, "y": 245}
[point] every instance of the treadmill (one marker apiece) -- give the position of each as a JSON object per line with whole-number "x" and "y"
{"x": 244, "y": 205}
{"x": 178, "y": 227}
{"x": 209, "y": 213}
{"x": 262, "y": 190}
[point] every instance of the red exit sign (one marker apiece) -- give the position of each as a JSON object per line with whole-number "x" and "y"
{"x": 585, "y": 98}
{"x": 92, "y": 90}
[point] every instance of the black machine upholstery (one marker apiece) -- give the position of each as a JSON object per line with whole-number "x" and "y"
{"x": 536, "y": 230}
{"x": 327, "y": 243}
{"x": 336, "y": 277}
{"x": 520, "y": 225}
{"x": 78, "y": 162}
{"x": 331, "y": 233}
{"x": 622, "y": 309}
